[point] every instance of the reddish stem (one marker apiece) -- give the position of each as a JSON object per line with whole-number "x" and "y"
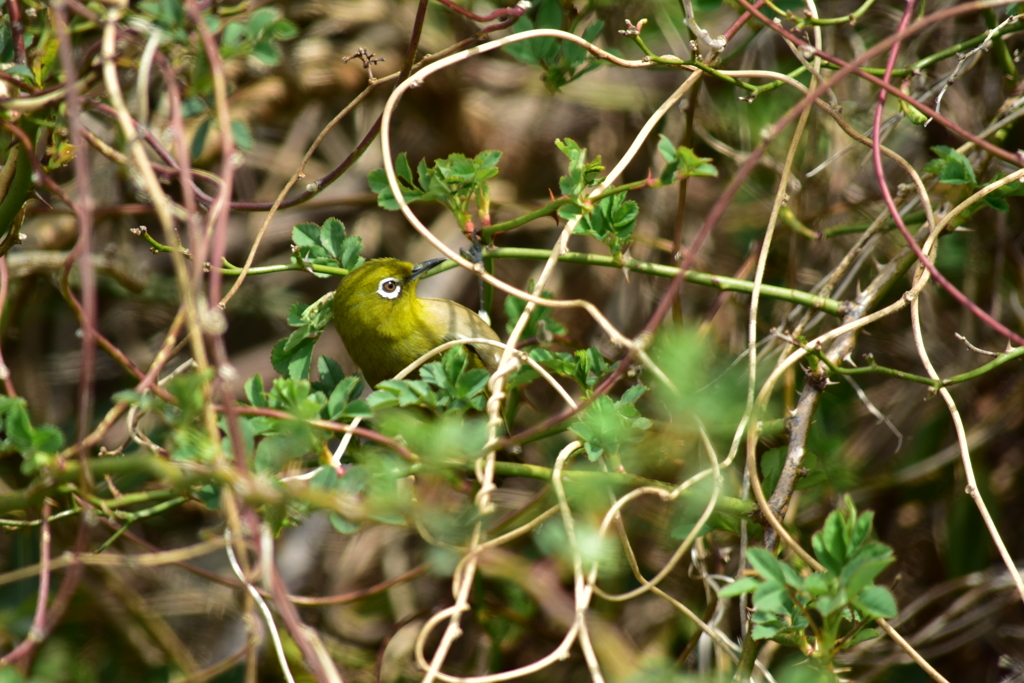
{"x": 876, "y": 154}
{"x": 17, "y": 31}
{"x": 331, "y": 426}
{"x": 905, "y": 30}
{"x": 5, "y": 372}
{"x": 847, "y": 68}
{"x": 83, "y": 208}
{"x": 37, "y": 633}
{"x": 510, "y": 12}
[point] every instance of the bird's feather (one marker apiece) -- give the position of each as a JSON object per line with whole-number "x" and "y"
{"x": 462, "y": 323}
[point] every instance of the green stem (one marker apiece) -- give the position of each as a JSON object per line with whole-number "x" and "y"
{"x": 795, "y": 224}
{"x": 734, "y": 507}
{"x": 132, "y": 517}
{"x": 554, "y": 205}
{"x": 706, "y": 68}
{"x": 1002, "y": 52}
{"x": 71, "y": 470}
{"x": 987, "y": 367}
{"x": 941, "y": 54}
{"x": 916, "y": 218}
{"x": 263, "y": 493}
{"x": 772, "y": 85}
{"x": 850, "y": 18}
{"x": 728, "y": 284}
{"x": 935, "y": 384}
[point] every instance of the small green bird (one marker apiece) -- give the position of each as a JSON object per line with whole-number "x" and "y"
{"x": 385, "y": 326}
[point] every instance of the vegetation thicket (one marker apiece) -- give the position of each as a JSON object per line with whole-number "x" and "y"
{"x": 755, "y": 415}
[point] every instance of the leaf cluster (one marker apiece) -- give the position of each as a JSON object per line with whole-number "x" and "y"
{"x": 316, "y": 248}
{"x": 37, "y": 445}
{"x": 456, "y": 182}
{"x": 607, "y": 425}
{"x": 823, "y": 612}
{"x": 953, "y": 168}
{"x": 563, "y": 62}
{"x": 326, "y": 245}
{"x": 255, "y": 35}
{"x": 449, "y": 385}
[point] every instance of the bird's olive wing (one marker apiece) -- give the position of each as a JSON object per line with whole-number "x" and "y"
{"x": 454, "y": 321}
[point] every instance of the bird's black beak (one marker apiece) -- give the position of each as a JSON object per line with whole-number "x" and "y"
{"x": 420, "y": 269}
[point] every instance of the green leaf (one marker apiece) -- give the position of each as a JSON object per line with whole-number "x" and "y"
{"x": 764, "y": 631}
{"x": 952, "y": 167}
{"x": 242, "y": 134}
{"x": 213, "y": 23}
{"x": 193, "y": 106}
{"x": 633, "y": 394}
{"x": 861, "y": 636}
{"x": 18, "y": 427}
{"x": 860, "y": 525}
{"x": 997, "y": 203}
{"x": 577, "y": 55}
{"x": 793, "y": 579}
{"x": 472, "y": 383}
{"x": 453, "y": 364}
{"x": 876, "y": 601}
{"x": 267, "y": 52}
{"x": 833, "y": 603}
{"x": 274, "y": 451}
{"x": 232, "y": 37}
{"x": 819, "y": 583}
{"x": 604, "y": 426}
{"x": 772, "y": 597}
{"x": 189, "y": 391}
{"x": 525, "y": 50}
{"x": 589, "y": 366}
{"x": 255, "y": 393}
{"x": 209, "y": 495}
{"x": 320, "y": 246}
{"x": 199, "y": 140}
{"x": 290, "y": 395}
{"x": 357, "y": 409}
{"x": 683, "y": 162}
{"x": 343, "y": 394}
{"x": 284, "y": 30}
{"x": 47, "y": 439}
{"x": 766, "y": 564}
{"x": 562, "y": 61}
{"x": 582, "y": 174}
{"x": 330, "y": 374}
{"x": 306, "y": 235}
{"x": 745, "y": 585}
{"x": 342, "y": 525}
{"x": 378, "y": 180}
{"x": 612, "y": 221}
{"x": 833, "y": 542}
{"x": 349, "y": 258}
{"x": 295, "y": 314}
{"x": 295, "y": 362}
{"x": 382, "y": 399}
{"x": 261, "y": 19}
{"x": 332, "y": 237}
{"x": 862, "y": 570}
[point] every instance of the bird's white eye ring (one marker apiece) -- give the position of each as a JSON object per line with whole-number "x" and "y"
{"x": 389, "y": 288}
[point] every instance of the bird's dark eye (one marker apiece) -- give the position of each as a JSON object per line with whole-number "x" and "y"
{"x": 389, "y": 288}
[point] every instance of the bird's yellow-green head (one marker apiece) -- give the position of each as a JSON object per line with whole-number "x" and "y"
{"x": 379, "y": 296}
